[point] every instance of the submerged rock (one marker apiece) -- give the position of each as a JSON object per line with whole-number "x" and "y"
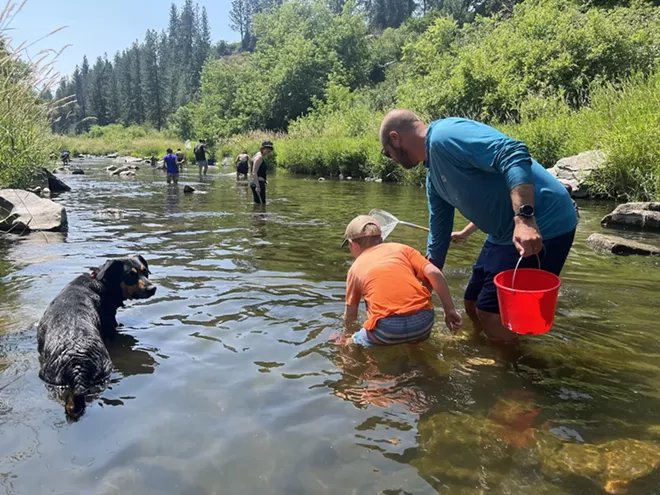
{"x": 575, "y": 171}
{"x": 112, "y": 155}
{"x": 644, "y": 216}
{"x": 188, "y": 189}
{"x": 620, "y": 246}
{"x": 126, "y": 173}
{"x": 26, "y": 209}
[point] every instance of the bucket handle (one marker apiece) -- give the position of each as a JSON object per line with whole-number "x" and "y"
{"x": 515, "y": 272}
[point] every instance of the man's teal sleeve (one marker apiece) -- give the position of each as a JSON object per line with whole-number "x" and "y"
{"x": 488, "y": 149}
{"x": 441, "y": 223}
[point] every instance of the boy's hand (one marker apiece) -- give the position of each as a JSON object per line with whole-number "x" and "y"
{"x": 453, "y": 320}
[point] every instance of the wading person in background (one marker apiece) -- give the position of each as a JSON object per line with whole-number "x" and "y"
{"x": 494, "y": 182}
{"x": 259, "y": 170}
{"x": 66, "y": 157}
{"x": 242, "y": 165}
{"x": 172, "y": 167}
{"x": 180, "y": 158}
{"x": 391, "y": 278}
{"x": 200, "y": 156}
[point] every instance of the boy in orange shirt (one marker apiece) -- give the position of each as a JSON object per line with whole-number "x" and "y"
{"x": 391, "y": 278}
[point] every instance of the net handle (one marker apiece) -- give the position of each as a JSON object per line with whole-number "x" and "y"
{"x": 515, "y": 272}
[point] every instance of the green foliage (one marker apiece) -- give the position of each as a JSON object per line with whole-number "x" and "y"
{"x": 133, "y": 140}
{"x": 25, "y": 139}
{"x": 623, "y": 120}
{"x": 300, "y": 46}
{"x": 548, "y": 47}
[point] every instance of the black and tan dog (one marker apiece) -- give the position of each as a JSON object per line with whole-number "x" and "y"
{"x": 71, "y": 333}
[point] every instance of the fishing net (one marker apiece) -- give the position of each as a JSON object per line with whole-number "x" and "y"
{"x": 386, "y": 220}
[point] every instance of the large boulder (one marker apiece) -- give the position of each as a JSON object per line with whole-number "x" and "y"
{"x": 124, "y": 168}
{"x": 26, "y": 209}
{"x": 575, "y": 171}
{"x": 620, "y": 246}
{"x": 130, "y": 159}
{"x": 634, "y": 215}
{"x": 44, "y": 178}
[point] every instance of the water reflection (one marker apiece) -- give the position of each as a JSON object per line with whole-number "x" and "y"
{"x": 228, "y": 383}
{"x": 128, "y": 359}
{"x": 173, "y": 199}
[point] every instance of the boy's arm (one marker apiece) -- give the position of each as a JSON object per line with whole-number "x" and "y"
{"x": 350, "y": 316}
{"x": 353, "y": 298}
{"x": 437, "y": 279}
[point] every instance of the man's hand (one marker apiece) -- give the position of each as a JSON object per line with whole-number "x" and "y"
{"x": 526, "y": 237}
{"x": 453, "y": 320}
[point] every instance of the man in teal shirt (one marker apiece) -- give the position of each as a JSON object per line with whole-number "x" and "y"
{"x": 494, "y": 182}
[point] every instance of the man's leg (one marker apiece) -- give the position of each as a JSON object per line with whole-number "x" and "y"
{"x": 505, "y": 257}
{"x": 169, "y": 178}
{"x": 471, "y": 310}
{"x": 474, "y": 287}
{"x": 176, "y": 178}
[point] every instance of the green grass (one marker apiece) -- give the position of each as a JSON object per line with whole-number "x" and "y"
{"x": 127, "y": 141}
{"x": 25, "y": 137}
{"x": 622, "y": 120}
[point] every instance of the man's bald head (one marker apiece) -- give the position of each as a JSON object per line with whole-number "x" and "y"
{"x": 403, "y": 138}
{"x": 401, "y": 121}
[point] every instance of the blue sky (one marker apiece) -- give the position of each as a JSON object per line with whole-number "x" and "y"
{"x": 99, "y": 26}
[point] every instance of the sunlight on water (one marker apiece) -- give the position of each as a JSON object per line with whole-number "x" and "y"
{"x": 230, "y": 380}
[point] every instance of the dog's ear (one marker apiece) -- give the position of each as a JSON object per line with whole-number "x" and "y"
{"x": 112, "y": 269}
{"x": 144, "y": 262}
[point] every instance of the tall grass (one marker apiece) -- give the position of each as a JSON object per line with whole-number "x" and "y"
{"x": 25, "y": 137}
{"x": 622, "y": 119}
{"x": 127, "y": 141}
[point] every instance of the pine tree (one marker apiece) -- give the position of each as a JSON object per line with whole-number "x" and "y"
{"x": 136, "y": 75}
{"x": 152, "y": 91}
{"x": 115, "y": 97}
{"x": 241, "y": 20}
{"x": 202, "y": 46}
{"x": 173, "y": 60}
{"x": 99, "y": 91}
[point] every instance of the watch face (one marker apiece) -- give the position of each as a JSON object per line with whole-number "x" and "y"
{"x": 527, "y": 210}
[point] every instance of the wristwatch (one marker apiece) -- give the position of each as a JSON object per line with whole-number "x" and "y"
{"x": 525, "y": 211}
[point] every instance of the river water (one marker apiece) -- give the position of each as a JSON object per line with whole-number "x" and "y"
{"x": 229, "y": 380}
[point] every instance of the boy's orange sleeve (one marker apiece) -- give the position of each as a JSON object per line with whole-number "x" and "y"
{"x": 353, "y": 292}
{"x": 418, "y": 262}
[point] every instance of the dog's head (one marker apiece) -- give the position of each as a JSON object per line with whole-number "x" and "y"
{"x": 130, "y": 275}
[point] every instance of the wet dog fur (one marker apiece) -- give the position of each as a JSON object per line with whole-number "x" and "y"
{"x": 72, "y": 332}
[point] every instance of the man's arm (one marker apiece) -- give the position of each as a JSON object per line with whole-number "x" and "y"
{"x": 526, "y": 235}
{"x": 441, "y": 222}
{"x": 490, "y": 150}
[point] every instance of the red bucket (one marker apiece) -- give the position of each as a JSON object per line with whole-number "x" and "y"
{"x": 528, "y": 300}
